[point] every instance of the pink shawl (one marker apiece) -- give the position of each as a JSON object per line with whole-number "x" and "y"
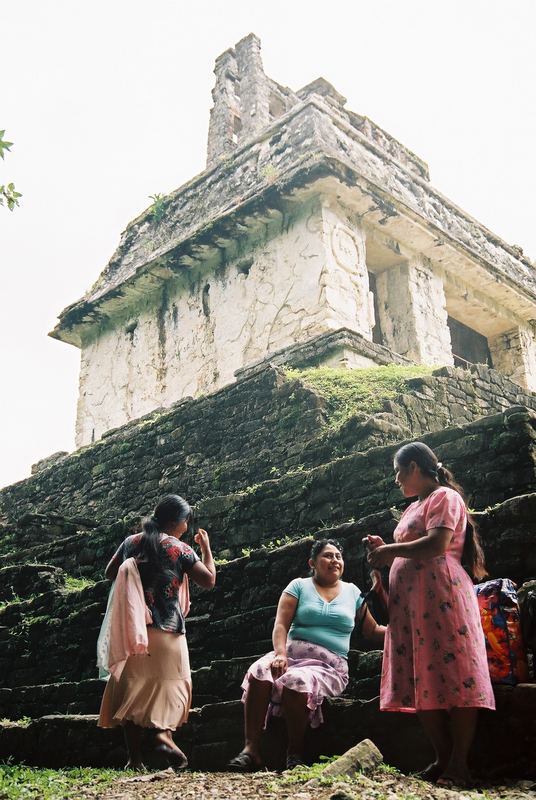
{"x": 129, "y": 618}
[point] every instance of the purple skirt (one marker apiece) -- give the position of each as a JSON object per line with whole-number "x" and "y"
{"x": 312, "y": 669}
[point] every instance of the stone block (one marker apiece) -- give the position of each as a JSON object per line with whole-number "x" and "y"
{"x": 364, "y": 757}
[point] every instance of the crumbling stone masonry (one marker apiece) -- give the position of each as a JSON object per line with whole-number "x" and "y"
{"x": 308, "y": 220}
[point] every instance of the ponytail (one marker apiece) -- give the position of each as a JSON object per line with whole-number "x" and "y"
{"x": 472, "y": 556}
{"x": 150, "y": 539}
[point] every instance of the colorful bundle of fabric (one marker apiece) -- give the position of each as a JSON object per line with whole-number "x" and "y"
{"x": 499, "y": 612}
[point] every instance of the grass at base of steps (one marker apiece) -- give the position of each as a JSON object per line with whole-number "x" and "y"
{"x": 18, "y": 781}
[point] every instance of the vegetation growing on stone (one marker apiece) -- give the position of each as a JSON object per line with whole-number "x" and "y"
{"x": 73, "y": 584}
{"x": 357, "y": 392}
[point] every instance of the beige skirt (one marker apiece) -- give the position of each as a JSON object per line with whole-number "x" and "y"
{"x": 155, "y": 690}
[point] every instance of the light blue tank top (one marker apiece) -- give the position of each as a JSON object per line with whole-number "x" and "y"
{"x": 327, "y": 624}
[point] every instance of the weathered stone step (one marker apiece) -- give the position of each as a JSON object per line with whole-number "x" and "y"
{"x": 493, "y": 457}
{"x": 212, "y": 736}
{"x": 240, "y": 436}
{"x": 220, "y": 681}
{"x": 505, "y": 742}
{"x": 81, "y": 554}
{"x": 52, "y": 637}
{"x": 25, "y": 580}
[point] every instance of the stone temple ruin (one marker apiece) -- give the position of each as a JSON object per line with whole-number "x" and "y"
{"x": 313, "y": 239}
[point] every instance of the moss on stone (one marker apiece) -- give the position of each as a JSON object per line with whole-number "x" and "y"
{"x": 73, "y": 584}
{"x": 357, "y": 392}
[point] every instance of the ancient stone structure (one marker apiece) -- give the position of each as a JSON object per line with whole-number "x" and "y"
{"x": 312, "y": 239}
{"x": 309, "y": 226}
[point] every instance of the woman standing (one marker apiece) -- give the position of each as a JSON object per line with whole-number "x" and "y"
{"x": 155, "y": 690}
{"x": 435, "y": 656}
{"x": 311, "y": 636}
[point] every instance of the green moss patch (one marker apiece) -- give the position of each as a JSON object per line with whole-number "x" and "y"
{"x": 357, "y": 392}
{"x": 73, "y": 584}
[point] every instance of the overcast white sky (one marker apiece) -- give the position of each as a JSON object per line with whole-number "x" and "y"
{"x": 108, "y": 101}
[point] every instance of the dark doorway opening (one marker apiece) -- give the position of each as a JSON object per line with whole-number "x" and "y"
{"x": 376, "y": 331}
{"x": 468, "y": 346}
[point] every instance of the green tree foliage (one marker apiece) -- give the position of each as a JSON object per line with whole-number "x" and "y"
{"x": 8, "y": 194}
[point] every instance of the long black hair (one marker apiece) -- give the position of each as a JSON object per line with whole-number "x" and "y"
{"x": 473, "y": 556}
{"x": 169, "y": 511}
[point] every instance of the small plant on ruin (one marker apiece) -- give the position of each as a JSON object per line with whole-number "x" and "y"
{"x": 269, "y": 172}
{"x": 8, "y": 193}
{"x": 158, "y": 208}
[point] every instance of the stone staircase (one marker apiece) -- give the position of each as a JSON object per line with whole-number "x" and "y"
{"x": 48, "y": 674}
{"x": 341, "y": 486}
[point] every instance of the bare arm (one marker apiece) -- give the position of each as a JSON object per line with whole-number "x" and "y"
{"x": 110, "y": 573}
{"x": 286, "y": 610}
{"x": 204, "y": 572}
{"x": 433, "y": 544}
{"x": 371, "y": 630}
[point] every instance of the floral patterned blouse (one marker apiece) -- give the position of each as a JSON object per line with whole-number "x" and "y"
{"x": 162, "y": 590}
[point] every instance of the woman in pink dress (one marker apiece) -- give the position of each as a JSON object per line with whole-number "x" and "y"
{"x": 435, "y": 655}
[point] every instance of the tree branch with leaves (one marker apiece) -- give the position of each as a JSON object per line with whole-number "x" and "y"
{"x": 8, "y": 194}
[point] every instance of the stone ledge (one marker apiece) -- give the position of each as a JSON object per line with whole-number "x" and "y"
{"x": 151, "y": 251}
{"x": 315, "y": 351}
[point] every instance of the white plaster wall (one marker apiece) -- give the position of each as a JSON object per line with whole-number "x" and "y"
{"x": 413, "y": 314}
{"x": 345, "y": 280}
{"x": 514, "y": 354}
{"x": 310, "y": 279}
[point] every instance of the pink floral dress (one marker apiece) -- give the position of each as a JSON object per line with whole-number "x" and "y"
{"x": 435, "y": 653}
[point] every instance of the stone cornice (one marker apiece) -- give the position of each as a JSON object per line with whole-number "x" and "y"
{"x": 311, "y": 142}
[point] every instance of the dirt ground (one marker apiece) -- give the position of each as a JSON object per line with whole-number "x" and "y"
{"x": 167, "y": 785}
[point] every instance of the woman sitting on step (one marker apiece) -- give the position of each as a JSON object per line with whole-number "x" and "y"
{"x": 153, "y": 689}
{"x": 435, "y": 661}
{"x": 311, "y": 638}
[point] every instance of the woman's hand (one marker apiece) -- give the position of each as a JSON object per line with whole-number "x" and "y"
{"x": 201, "y": 538}
{"x": 279, "y": 666}
{"x": 373, "y": 542}
{"x": 204, "y": 572}
{"x": 381, "y": 556}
